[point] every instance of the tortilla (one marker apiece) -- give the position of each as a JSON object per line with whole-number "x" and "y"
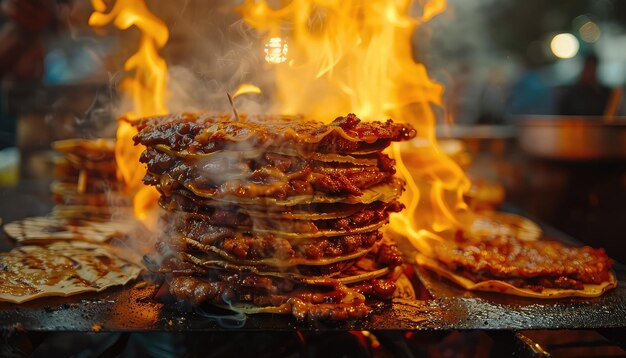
{"x": 488, "y": 224}
{"x": 48, "y": 228}
{"x": 293, "y": 229}
{"x": 91, "y": 213}
{"x": 61, "y": 269}
{"x": 68, "y": 194}
{"x": 319, "y": 211}
{"x": 275, "y": 262}
{"x": 385, "y": 192}
{"x": 589, "y": 290}
{"x": 253, "y": 154}
{"x": 100, "y": 149}
{"x": 325, "y": 280}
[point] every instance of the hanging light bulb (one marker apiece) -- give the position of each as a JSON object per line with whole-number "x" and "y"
{"x": 276, "y": 50}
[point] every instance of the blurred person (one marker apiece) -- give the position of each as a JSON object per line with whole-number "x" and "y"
{"x": 462, "y": 94}
{"x": 587, "y": 97}
{"x": 530, "y": 93}
{"x": 493, "y": 97}
{"x": 23, "y": 27}
{"x": 22, "y": 37}
{"x": 21, "y": 52}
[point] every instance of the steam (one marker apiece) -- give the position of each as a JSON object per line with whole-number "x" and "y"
{"x": 212, "y": 52}
{"x": 193, "y": 91}
{"x": 457, "y": 49}
{"x": 234, "y": 321}
{"x": 215, "y": 52}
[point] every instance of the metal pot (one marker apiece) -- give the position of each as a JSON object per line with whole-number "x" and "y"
{"x": 573, "y": 137}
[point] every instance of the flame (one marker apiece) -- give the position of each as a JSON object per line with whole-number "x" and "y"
{"x": 245, "y": 89}
{"x": 356, "y": 56}
{"x": 146, "y": 88}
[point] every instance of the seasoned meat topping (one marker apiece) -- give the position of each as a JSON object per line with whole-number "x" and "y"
{"x": 205, "y": 133}
{"x": 275, "y": 213}
{"x": 530, "y": 264}
{"x": 271, "y": 174}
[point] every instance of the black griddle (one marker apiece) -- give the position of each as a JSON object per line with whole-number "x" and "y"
{"x": 134, "y": 307}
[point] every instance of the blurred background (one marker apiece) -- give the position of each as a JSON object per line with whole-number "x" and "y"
{"x": 533, "y": 93}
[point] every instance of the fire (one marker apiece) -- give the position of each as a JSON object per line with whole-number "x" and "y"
{"x": 356, "y": 56}
{"x": 343, "y": 56}
{"x": 146, "y": 88}
{"x": 245, "y": 89}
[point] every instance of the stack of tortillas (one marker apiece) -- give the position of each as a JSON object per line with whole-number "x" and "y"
{"x": 87, "y": 184}
{"x": 90, "y": 202}
{"x": 67, "y": 251}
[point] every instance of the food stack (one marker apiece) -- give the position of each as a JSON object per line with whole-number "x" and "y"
{"x": 87, "y": 184}
{"x": 274, "y": 213}
{"x": 65, "y": 252}
{"x": 514, "y": 265}
{"x": 90, "y": 202}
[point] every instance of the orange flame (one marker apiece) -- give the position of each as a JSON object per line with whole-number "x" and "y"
{"x": 356, "y": 56}
{"x": 146, "y": 88}
{"x": 246, "y": 88}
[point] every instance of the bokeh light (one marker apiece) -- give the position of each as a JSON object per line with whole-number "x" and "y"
{"x": 564, "y": 45}
{"x": 590, "y": 32}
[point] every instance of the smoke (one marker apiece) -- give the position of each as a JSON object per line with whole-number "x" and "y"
{"x": 193, "y": 91}
{"x": 211, "y": 52}
{"x": 234, "y": 321}
{"x": 458, "y": 35}
{"x": 458, "y": 50}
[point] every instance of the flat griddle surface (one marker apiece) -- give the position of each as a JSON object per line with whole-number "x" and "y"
{"x": 133, "y": 307}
